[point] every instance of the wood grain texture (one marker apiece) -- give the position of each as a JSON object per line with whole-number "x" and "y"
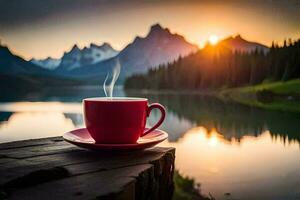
{"x": 50, "y": 168}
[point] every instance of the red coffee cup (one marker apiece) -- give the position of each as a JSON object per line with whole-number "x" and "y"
{"x": 119, "y": 120}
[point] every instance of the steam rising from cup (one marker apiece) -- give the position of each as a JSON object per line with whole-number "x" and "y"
{"x": 108, "y": 90}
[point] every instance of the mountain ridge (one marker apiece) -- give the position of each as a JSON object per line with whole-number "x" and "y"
{"x": 13, "y": 64}
{"x": 240, "y": 44}
{"x": 159, "y": 46}
{"x": 48, "y": 63}
{"x": 78, "y": 57}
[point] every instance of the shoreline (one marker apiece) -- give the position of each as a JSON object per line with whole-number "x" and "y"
{"x": 276, "y": 96}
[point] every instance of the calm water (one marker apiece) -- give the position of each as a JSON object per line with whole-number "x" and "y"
{"x": 228, "y": 148}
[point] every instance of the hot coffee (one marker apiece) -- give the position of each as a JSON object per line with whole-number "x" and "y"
{"x": 118, "y": 120}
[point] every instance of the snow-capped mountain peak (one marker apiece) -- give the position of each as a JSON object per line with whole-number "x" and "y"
{"x": 77, "y": 57}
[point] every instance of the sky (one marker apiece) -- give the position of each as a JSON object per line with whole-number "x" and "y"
{"x": 35, "y": 28}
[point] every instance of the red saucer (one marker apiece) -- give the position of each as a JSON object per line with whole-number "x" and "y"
{"x": 82, "y": 138}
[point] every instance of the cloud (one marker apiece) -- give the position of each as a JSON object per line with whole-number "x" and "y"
{"x": 16, "y": 13}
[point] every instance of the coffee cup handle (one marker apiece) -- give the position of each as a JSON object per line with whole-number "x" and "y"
{"x": 160, "y": 121}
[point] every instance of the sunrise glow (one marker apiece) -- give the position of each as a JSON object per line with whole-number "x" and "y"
{"x": 213, "y": 39}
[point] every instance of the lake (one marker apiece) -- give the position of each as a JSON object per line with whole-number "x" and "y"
{"x": 233, "y": 151}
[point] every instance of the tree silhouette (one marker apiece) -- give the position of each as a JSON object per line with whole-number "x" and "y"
{"x": 218, "y": 66}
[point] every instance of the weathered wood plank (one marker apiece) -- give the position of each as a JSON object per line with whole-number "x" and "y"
{"x": 39, "y": 165}
{"x": 79, "y": 160}
{"x": 6, "y": 160}
{"x": 38, "y": 150}
{"x": 87, "y": 186}
{"x": 28, "y": 143}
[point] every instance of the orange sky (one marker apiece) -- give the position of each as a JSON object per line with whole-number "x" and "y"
{"x": 118, "y": 23}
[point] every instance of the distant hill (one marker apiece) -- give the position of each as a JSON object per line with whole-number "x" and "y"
{"x": 240, "y": 44}
{"x": 48, "y": 63}
{"x": 19, "y": 75}
{"x": 14, "y": 65}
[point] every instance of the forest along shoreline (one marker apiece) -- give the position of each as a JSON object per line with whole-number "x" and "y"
{"x": 265, "y": 79}
{"x": 278, "y": 96}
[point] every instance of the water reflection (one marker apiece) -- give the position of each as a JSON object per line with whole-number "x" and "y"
{"x": 61, "y": 94}
{"x": 28, "y": 120}
{"x": 232, "y": 120}
{"x": 228, "y": 148}
{"x": 28, "y": 125}
{"x": 76, "y": 118}
{"x": 41, "y": 107}
{"x": 232, "y": 149}
{"x": 249, "y": 168}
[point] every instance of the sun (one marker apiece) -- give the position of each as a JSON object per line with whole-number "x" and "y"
{"x": 213, "y": 39}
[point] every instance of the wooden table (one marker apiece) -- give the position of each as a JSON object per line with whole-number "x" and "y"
{"x": 51, "y": 168}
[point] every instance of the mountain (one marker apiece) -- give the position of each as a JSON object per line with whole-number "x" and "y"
{"x": 217, "y": 67}
{"x": 11, "y": 64}
{"x": 158, "y": 47}
{"x": 240, "y": 44}
{"x": 48, "y": 63}
{"x": 20, "y": 77}
{"x": 77, "y": 57}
